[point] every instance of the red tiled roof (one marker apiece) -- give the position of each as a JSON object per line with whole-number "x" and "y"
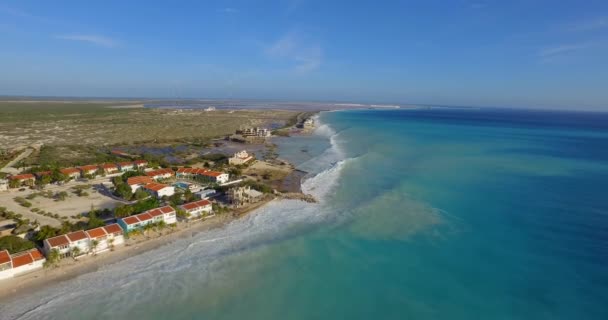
{"x": 24, "y": 176}
{"x": 43, "y": 173}
{"x": 159, "y": 172}
{"x": 131, "y": 220}
{"x": 166, "y": 209}
{"x": 124, "y": 164}
{"x": 58, "y": 241}
{"x": 196, "y": 204}
{"x": 109, "y": 166}
{"x": 36, "y": 254}
{"x": 155, "y": 186}
{"x": 88, "y": 168}
{"x": 4, "y": 257}
{"x": 22, "y": 259}
{"x": 96, "y": 233}
{"x": 155, "y": 212}
{"x": 144, "y": 216}
{"x": 68, "y": 171}
{"x": 76, "y": 236}
{"x": 113, "y": 228}
{"x": 139, "y": 180}
{"x": 199, "y": 171}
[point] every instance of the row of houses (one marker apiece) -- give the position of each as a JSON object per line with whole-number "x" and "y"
{"x": 166, "y": 214}
{"x": 15, "y": 264}
{"x": 203, "y": 174}
{"x": 198, "y": 209}
{"x": 82, "y": 171}
{"x": 84, "y": 242}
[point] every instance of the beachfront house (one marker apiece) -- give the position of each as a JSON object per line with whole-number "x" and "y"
{"x": 136, "y": 222}
{"x": 126, "y": 166}
{"x": 198, "y": 209}
{"x": 160, "y": 174}
{"x": 3, "y": 185}
{"x": 27, "y": 179}
{"x": 140, "y": 164}
{"x": 88, "y": 170}
{"x": 159, "y": 190}
{"x": 240, "y": 157}
{"x": 71, "y": 173}
{"x": 203, "y": 174}
{"x": 240, "y": 196}
{"x": 109, "y": 168}
{"x": 19, "y": 263}
{"x": 66, "y": 245}
{"x": 138, "y": 182}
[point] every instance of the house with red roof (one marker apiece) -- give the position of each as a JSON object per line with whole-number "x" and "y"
{"x": 126, "y": 166}
{"x": 90, "y": 241}
{"x": 198, "y": 209}
{"x": 109, "y": 168}
{"x": 166, "y": 214}
{"x": 24, "y": 179}
{"x": 140, "y": 164}
{"x": 71, "y": 173}
{"x": 138, "y": 182}
{"x": 203, "y": 174}
{"x": 15, "y": 264}
{"x": 160, "y": 174}
{"x": 90, "y": 170}
{"x": 159, "y": 190}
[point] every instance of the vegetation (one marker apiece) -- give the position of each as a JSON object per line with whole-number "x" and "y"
{"x": 15, "y": 244}
{"x": 52, "y": 259}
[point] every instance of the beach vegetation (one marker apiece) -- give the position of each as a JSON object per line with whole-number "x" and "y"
{"x": 15, "y": 244}
{"x": 52, "y": 259}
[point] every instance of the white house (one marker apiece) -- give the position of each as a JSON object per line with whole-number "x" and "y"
{"x": 138, "y": 182}
{"x": 197, "y": 208}
{"x": 18, "y": 263}
{"x": 166, "y": 214}
{"x": 204, "y": 174}
{"x": 205, "y": 194}
{"x": 3, "y": 185}
{"x": 140, "y": 164}
{"x": 88, "y": 170}
{"x": 109, "y": 168}
{"x": 83, "y": 240}
{"x": 160, "y": 174}
{"x": 159, "y": 190}
{"x": 24, "y": 179}
{"x": 240, "y": 157}
{"x": 126, "y": 166}
{"x": 71, "y": 173}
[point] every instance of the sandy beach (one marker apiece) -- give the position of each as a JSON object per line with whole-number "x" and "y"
{"x": 70, "y": 268}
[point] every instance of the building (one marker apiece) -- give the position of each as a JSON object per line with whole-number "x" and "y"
{"x": 159, "y": 190}
{"x": 126, "y": 166}
{"x": 240, "y": 157}
{"x": 19, "y": 263}
{"x": 240, "y": 196}
{"x": 3, "y": 185}
{"x": 140, "y": 164}
{"x": 198, "y": 208}
{"x": 71, "y": 173}
{"x": 138, "y": 182}
{"x": 254, "y": 132}
{"x": 66, "y": 244}
{"x": 205, "y": 194}
{"x": 27, "y": 179}
{"x": 160, "y": 174}
{"x": 309, "y": 123}
{"x": 109, "y": 168}
{"x": 203, "y": 174}
{"x": 136, "y": 222}
{"x": 39, "y": 175}
{"x": 89, "y": 170}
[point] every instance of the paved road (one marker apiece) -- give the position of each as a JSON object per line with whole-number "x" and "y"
{"x": 9, "y": 166}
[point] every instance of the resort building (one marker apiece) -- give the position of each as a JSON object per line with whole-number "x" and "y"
{"x": 89, "y": 170}
{"x": 24, "y": 179}
{"x": 240, "y": 157}
{"x": 109, "y": 168}
{"x": 160, "y": 174}
{"x": 126, "y": 166}
{"x": 19, "y": 263}
{"x": 71, "y": 173}
{"x": 205, "y": 194}
{"x": 197, "y": 208}
{"x": 203, "y": 174}
{"x": 138, "y": 182}
{"x": 140, "y": 164}
{"x": 3, "y": 185}
{"x": 244, "y": 195}
{"x": 159, "y": 190}
{"x": 90, "y": 241}
{"x": 254, "y": 132}
{"x": 166, "y": 214}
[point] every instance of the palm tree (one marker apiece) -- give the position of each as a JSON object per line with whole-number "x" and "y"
{"x": 51, "y": 259}
{"x": 111, "y": 243}
{"x": 75, "y": 252}
{"x": 94, "y": 244}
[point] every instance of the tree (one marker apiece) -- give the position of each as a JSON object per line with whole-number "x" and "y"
{"x": 52, "y": 259}
{"x": 111, "y": 243}
{"x": 188, "y": 196}
{"x": 60, "y": 196}
{"x": 14, "y": 183}
{"x": 182, "y": 214}
{"x": 94, "y": 220}
{"x": 45, "y": 233}
{"x": 57, "y": 176}
{"x": 94, "y": 244}
{"x": 140, "y": 194}
{"x": 15, "y": 244}
{"x": 123, "y": 211}
{"x": 176, "y": 199}
{"x": 124, "y": 191}
{"x": 75, "y": 252}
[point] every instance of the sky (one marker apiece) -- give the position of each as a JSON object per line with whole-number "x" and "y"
{"x": 542, "y": 54}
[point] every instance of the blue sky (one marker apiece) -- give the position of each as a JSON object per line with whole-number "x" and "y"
{"x": 492, "y": 53}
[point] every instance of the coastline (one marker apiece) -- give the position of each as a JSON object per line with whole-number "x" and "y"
{"x": 70, "y": 269}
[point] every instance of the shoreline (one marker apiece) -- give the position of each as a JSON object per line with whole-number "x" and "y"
{"x": 71, "y": 269}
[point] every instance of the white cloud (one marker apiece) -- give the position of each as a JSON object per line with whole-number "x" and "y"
{"x": 561, "y": 49}
{"x": 306, "y": 57}
{"x": 93, "y": 39}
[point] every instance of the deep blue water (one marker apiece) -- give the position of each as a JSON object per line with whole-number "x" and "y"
{"x": 424, "y": 214}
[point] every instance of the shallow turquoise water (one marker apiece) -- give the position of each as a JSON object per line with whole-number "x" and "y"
{"x": 425, "y": 214}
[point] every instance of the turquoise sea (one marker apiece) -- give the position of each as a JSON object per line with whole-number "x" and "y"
{"x": 430, "y": 213}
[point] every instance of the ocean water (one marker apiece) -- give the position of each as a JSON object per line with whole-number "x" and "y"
{"x": 423, "y": 214}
